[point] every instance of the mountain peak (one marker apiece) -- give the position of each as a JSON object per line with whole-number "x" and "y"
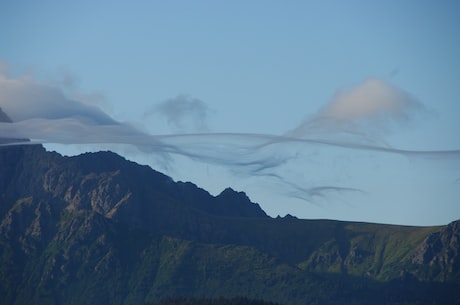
{"x": 4, "y": 118}
{"x": 238, "y": 204}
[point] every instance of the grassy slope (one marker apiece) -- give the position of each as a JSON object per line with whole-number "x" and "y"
{"x": 92, "y": 260}
{"x": 360, "y": 249}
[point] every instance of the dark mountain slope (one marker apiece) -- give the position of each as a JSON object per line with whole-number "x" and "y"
{"x": 98, "y": 229}
{"x": 104, "y": 181}
{"x": 4, "y": 117}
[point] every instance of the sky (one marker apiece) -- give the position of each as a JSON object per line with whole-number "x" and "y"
{"x": 343, "y": 110}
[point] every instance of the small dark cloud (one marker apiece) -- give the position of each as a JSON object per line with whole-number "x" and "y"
{"x": 183, "y": 113}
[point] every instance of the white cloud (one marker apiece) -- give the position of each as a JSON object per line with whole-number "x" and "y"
{"x": 361, "y": 112}
{"x": 371, "y": 99}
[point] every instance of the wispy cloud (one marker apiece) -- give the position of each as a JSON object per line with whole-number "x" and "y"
{"x": 45, "y": 114}
{"x": 183, "y": 113}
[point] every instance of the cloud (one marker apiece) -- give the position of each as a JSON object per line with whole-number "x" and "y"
{"x": 45, "y": 114}
{"x": 361, "y": 112}
{"x": 183, "y": 113}
{"x": 372, "y": 99}
{"x": 24, "y": 99}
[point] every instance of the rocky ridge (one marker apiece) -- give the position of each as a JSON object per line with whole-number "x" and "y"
{"x": 100, "y": 226}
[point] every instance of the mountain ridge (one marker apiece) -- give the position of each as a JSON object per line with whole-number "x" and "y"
{"x": 121, "y": 233}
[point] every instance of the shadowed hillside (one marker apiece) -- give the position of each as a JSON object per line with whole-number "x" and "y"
{"x": 98, "y": 229}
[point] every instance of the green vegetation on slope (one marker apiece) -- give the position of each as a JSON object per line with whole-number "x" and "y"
{"x": 212, "y": 301}
{"x": 97, "y": 229}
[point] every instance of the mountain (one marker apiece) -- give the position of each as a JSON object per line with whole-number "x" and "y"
{"x": 4, "y": 118}
{"x": 99, "y": 229}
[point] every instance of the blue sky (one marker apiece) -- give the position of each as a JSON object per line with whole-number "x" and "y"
{"x": 234, "y": 76}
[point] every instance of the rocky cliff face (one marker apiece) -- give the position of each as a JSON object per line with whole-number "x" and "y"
{"x": 438, "y": 257}
{"x": 99, "y": 226}
{"x": 105, "y": 183}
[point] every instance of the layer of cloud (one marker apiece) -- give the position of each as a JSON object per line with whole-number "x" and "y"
{"x": 44, "y": 114}
{"x": 25, "y": 99}
{"x": 183, "y": 113}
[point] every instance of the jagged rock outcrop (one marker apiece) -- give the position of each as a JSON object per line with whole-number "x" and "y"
{"x": 438, "y": 257}
{"x": 118, "y": 189}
